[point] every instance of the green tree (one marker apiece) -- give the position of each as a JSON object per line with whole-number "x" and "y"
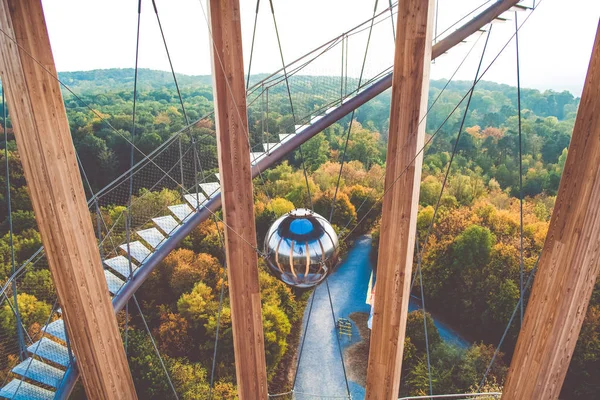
{"x": 31, "y": 310}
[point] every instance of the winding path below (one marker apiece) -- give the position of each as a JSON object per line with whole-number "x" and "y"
{"x": 320, "y": 372}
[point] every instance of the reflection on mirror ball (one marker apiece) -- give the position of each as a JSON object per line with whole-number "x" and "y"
{"x": 301, "y": 248}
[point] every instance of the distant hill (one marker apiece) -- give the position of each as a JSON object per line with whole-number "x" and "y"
{"x": 122, "y": 79}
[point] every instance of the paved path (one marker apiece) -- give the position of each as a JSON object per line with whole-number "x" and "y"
{"x": 320, "y": 371}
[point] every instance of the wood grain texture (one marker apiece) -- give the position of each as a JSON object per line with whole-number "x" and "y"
{"x": 237, "y": 198}
{"x": 56, "y": 190}
{"x": 410, "y": 87}
{"x": 569, "y": 264}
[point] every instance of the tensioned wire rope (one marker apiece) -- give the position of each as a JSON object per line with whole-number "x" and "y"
{"x": 289, "y": 93}
{"x": 95, "y": 112}
{"x": 287, "y": 84}
{"x": 128, "y": 220}
{"x": 435, "y": 133}
{"x": 20, "y": 337}
{"x": 313, "y": 294}
{"x": 238, "y": 110}
{"x": 521, "y": 266}
{"x": 523, "y": 286}
{"x": 197, "y": 164}
{"x": 450, "y": 162}
{"x": 421, "y": 252}
{"x": 330, "y": 218}
{"x": 362, "y": 70}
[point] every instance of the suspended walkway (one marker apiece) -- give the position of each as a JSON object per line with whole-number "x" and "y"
{"x": 48, "y": 368}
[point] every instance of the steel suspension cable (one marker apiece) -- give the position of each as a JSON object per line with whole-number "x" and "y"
{"x": 454, "y": 151}
{"x": 438, "y": 130}
{"x": 523, "y": 288}
{"x": 362, "y": 70}
{"x": 237, "y": 111}
{"x": 128, "y": 221}
{"x": 337, "y": 336}
{"x": 509, "y": 324}
{"x": 221, "y": 298}
{"x": 392, "y": 20}
{"x": 21, "y": 339}
{"x": 521, "y": 262}
{"x": 85, "y": 104}
{"x": 420, "y": 122}
{"x": 252, "y": 46}
{"x": 419, "y": 269}
{"x": 287, "y": 84}
{"x": 435, "y": 34}
{"x": 305, "y": 333}
{"x": 185, "y": 116}
{"x": 464, "y": 17}
{"x": 160, "y": 359}
{"x": 429, "y": 110}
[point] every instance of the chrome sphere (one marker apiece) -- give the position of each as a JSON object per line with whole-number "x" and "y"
{"x": 301, "y": 248}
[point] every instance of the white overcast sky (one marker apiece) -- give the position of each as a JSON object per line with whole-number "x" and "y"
{"x": 555, "y": 42}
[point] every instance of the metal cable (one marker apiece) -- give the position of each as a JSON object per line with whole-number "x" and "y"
{"x": 362, "y": 70}
{"x": 337, "y": 337}
{"x": 22, "y": 350}
{"x": 454, "y": 151}
{"x": 287, "y": 83}
{"x": 508, "y": 325}
{"x": 252, "y": 46}
{"x": 128, "y": 220}
{"x": 162, "y": 363}
{"x": 429, "y": 110}
{"x": 437, "y": 131}
{"x": 312, "y": 301}
{"x": 219, "y": 312}
{"x": 185, "y": 116}
{"x": 392, "y": 20}
{"x": 424, "y": 318}
{"x": 521, "y": 262}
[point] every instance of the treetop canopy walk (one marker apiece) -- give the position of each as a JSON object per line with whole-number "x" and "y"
{"x": 134, "y": 241}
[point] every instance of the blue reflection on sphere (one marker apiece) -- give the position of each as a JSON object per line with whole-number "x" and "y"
{"x": 301, "y": 248}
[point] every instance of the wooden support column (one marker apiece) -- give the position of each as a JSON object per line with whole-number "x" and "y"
{"x": 44, "y": 142}
{"x": 237, "y": 198}
{"x": 569, "y": 264}
{"x": 410, "y": 87}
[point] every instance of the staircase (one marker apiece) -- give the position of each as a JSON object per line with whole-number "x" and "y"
{"x": 37, "y": 377}
{"x": 41, "y": 373}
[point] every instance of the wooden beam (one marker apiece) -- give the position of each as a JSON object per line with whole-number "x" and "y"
{"x": 569, "y": 264}
{"x": 410, "y": 87}
{"x": 49, "y": 163}
{"x": 237, "y": 198}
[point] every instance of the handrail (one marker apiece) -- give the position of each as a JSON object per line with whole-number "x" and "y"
{"x": 347, "y": 106}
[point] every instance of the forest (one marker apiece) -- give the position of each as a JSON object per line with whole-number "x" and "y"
{"x": 471, "y": 262}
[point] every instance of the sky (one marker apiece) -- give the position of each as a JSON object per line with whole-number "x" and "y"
{"x": 555, "y": 42}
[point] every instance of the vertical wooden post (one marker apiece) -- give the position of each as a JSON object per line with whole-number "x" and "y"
{"x": 237, "y": 198}
{"x": 569, "y": 264}
{"x": 50, "y": 167}
{"x": 400, "y": 205}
